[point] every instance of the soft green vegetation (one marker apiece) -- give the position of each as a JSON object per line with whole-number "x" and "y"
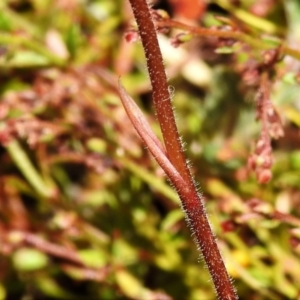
{"x": 85, "y": 212}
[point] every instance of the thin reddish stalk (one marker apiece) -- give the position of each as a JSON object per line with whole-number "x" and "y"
{"x": 191, "y": 200}
{"x": 159, "y": 84}
{"x": 47, "y": 247}
{"x": 229, "y": 34}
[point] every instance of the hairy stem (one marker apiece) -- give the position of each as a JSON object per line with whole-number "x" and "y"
{"x": 191, "y": 200}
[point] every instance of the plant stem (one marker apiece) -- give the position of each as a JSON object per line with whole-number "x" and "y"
{"x": 250, "y": 19}
{"x": 192, "y": 201}
{"x": 256, "y": 43}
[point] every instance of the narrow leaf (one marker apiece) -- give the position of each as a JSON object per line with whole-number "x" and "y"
{"x": 148, "y": 136}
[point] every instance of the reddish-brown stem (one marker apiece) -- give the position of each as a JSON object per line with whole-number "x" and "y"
{"x": 229, "y": 34}
{"x": 160, "y": 92}
{"x": 191, "y": 200}
{"x": 47, "y": 247}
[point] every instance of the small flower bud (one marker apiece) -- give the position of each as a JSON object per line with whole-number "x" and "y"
{"x": 131, "y": 36}
{"x": 264, "y": 176}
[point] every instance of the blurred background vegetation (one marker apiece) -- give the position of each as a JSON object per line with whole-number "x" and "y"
{"x": 85, "y": 212}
